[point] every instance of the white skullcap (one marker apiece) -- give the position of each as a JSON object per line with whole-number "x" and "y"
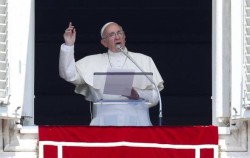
{"x": 104, "y": 27}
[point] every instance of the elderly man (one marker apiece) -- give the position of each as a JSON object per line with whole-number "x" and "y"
{"x": 143, "y": 94}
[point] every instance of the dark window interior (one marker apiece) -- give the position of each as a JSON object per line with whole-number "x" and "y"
{"x": 175, "y": 33}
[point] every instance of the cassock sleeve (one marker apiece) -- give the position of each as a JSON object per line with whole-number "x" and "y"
{"x": 149, "y": 95}
{"x": 67, "y": 68}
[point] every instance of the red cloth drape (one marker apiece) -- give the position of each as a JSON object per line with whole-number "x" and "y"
{"x": 190, "y": 135}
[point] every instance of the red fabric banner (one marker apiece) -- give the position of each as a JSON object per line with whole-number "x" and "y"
{"x": 153, "y": 142}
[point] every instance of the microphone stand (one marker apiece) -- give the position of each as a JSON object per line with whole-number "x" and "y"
{"x": 157, "y": 89}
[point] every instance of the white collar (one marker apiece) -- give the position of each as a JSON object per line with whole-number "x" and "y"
{"x": 117, "y": 53}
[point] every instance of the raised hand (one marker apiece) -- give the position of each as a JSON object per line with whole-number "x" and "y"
{"x": 70, "y": 35}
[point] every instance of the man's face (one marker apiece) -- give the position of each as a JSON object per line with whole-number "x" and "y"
{"x": 113, "y": 35}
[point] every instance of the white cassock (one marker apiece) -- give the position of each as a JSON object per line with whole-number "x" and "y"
{"x": 81, "y": 74}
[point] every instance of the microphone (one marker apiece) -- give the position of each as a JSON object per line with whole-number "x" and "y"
{"x": 118, "y": 46}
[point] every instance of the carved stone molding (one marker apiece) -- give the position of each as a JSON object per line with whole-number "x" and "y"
{"x": 17, "y": 141}
{"x": 236, "y": 140}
